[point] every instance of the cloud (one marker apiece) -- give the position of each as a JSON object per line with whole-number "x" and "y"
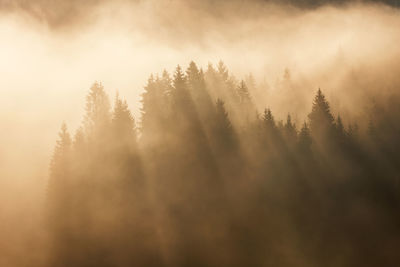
{"x": 62, "y": 14}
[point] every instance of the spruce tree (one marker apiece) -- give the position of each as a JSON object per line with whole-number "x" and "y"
{"x": 305, "y": 140}
{"x": 97, "y": 119}
{"x": 289, "y": 131}
{"x": 340, "y": 131}
{"x": 60, "y": 162}
{"x": 123, "y": 123}
{"x": 243, "y": 93}
{"x": 222, "y": 71}
{"x": 269, "y": 121}
{"x": 60, "y": 197}
{"x": 321, "y": 119}
{"x": 223, "y": 128}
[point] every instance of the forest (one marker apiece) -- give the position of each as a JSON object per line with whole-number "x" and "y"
{"x": 207, "y": 177}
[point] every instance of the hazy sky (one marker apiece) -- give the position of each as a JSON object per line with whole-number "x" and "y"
{"x": 52, "y": 51}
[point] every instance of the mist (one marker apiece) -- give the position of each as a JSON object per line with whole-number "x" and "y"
{"x": 54, "y": 51}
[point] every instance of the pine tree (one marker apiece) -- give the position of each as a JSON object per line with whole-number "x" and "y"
{"x": 197, "y": 87}
{"x": 250, "y": 82}
{"x": 79, "y": 140}
{"x": 60, "y": 162}
{"x": 243, "y": 93}
{"x": 201, "y": 98}
{"x": 98, "y": 117}
{"x": 340, "y": 131}
{"x": 155, "y": 107}
{"x": 305, "y": 139}
{"x": 321, "y": 119}
{"x": 269, "y": 121}
{"x": 224, "y": 131}
{"x": 79, "y": 153}
{"x": 289, "y": 131}
{"x": 179, "y": 81}
{"x": 59, "y": 194}
{"x": 352, "y": 132}
{"x": 149, "y": 104}
{"x": 123, "y": 123}
{"x": 193, "y": 76}
{"x": 222, "y": 71}
{"x": 181, "y": 103}
{"x": 211, "y": 73}
{"x": 339, "y": 125}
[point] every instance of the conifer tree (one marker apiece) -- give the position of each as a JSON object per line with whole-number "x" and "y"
{"x": 201, "y": 98}
{"x": 321, "y": 119}
{"x": 79, "y": 140}
{"x": 149, "y": 104}
{"x": 155, "y": 107}
{"x": 197, "y": 86}
{"x": 222, "y": 71}
{"x": 210, "y": 73}
{"x": 165, "y": 83}
{"x": 193, "y": 75}
{"x": 289, "y": 131}
{"x": 123, "y": 123}
{"x": 79, "y": 154}
{"x": 250, "y": 82}
{"x": 243, "y": 93}
{"x": 60, "y": 162}
{"x": 305, "y": 139}
{"x": 59, "y": 195}
{"x": 269, "y": 121}
{"x": 340, "y": 131}
{"x": 352, "y": 132}
{"x": 97, "y": 119}
{"x": 179, "y": 81}
{"x": 339, "y": 126}
{"x": 224, "y": 131}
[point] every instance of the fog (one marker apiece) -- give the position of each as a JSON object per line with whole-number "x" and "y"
{"x": 53, "y": 51}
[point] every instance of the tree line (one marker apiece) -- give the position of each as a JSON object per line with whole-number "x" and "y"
{"x": 206, "y": 179}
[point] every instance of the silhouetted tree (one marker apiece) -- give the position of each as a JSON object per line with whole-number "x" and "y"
{"x": 269, "y": 121}
{"x": 289, "y": 131}
{"x": 123, "y": 123}
{"x": 200, "y": 95}
{"x": 321, "y": 119}
{"x": 305, "y": 139}
{"x": 225, "y": 135}
{"x": 209, "y": 182}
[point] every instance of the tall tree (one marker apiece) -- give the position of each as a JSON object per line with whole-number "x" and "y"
{"x": 341, "y": 135}
{"x": 97, "y": 119}
{"x": 305, "y": 139}
{"x": 155, "y": 108}
{"x": 321, "y": 119}
{"x": 201, "y": 98}
{"x": 225, "y": 135}
{"x": 244, "y": 94}
{"x": 269, "y": 121}
{"x": 223, "y": 71}
{"x": 290, "y": 132}
{"x": 60, "y": 162}
{"x": 123, "y": 124}
{"x": 59, "y": 197}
